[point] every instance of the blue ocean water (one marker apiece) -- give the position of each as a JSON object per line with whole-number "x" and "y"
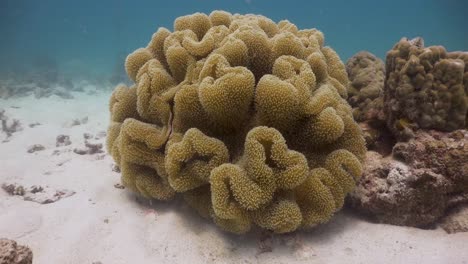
{"x": 91, "y": 38}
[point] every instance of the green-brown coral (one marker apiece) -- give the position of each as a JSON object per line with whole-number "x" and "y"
{"x": 366, "y": 73}
{"x": 243, "y": 117}
{"x": 426, "y": 87}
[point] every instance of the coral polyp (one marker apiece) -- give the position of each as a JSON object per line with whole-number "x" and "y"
{"x": 243, "y": 117}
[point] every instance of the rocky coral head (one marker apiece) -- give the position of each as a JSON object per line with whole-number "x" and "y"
{"x": 416, "y": 185}
{"x": 367, "y": 75}
{"x": 425, "y": 87}
{"x": 243, "y": 117}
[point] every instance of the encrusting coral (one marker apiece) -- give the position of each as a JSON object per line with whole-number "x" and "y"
{"x": 247, "y": 119}
{"x": 426, "y": 87}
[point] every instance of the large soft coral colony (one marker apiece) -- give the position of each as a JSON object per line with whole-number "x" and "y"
{"x": 244, "y": 117}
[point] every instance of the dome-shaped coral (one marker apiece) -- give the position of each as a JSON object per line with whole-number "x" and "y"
{"x": 244, "y": 117}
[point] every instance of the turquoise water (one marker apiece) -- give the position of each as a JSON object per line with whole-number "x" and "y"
{"x": 91, "y": 38}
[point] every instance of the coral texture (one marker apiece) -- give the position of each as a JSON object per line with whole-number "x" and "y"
{"x": 426, "y": 176}
{"x": 243, "y": 117}
{"x": 366, "y": 75}
{"x": 456, "y": 221}
{"x": 426, "y": 87}
{"x": 12, "y": 253}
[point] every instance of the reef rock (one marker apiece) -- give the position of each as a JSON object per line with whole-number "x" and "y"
{"x": 456, "y": 220}
{"x": 425, "y": 87}
{"x": 12, "y": 253}
{"x": 415, "y": 187}
{"x": 245, "y": 118}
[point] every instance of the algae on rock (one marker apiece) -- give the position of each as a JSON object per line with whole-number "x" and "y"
{"x": 245, "y": 118}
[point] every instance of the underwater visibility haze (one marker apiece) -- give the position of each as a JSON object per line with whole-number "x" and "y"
{"x": 246, "y": 131}
{"x": 91, "y": 37}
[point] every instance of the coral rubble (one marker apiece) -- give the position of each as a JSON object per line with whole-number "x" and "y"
{"x": 38, "y": 194}
{"x": 62, "y": 140}
{"x": 35, "y": 148}
{"x": 90, "y": 148}
{"x": 12, "y": 253}
{"x": 244, "y": 117}
{"x": 9, "y": 126}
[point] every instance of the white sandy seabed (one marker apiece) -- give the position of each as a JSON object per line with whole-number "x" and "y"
{"x": 108, "y": 225}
